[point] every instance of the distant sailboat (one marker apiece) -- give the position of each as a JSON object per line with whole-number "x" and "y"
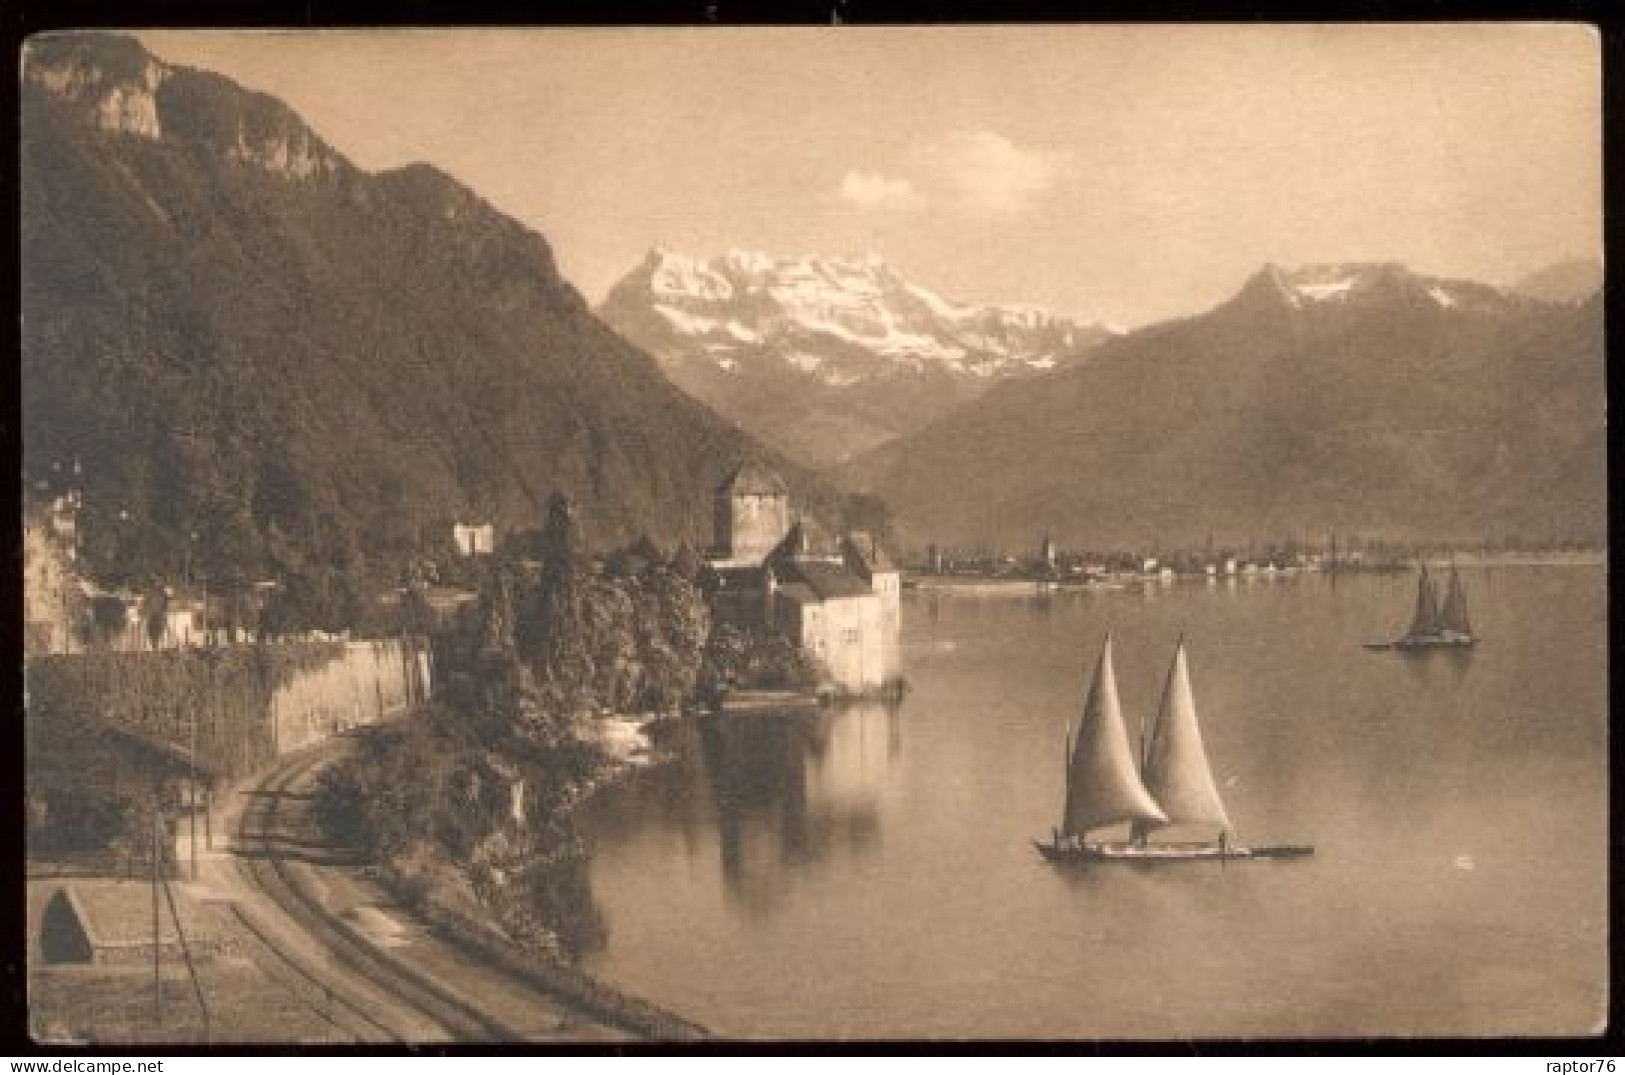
{"x": 1433, "y": 627}
{"x": 1453, "y": 624}
{"x": 1172, "y": 783}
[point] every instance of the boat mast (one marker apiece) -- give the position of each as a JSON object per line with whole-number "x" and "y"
{"x": 1066, "y": 763}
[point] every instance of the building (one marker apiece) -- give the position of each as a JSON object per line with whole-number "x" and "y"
{"x": 837, "y": 599}
{"x": 474, "y": 539}
{"x": 53, "y": 593}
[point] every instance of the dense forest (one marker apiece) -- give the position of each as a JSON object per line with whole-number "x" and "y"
{"x": 523, "y": 678}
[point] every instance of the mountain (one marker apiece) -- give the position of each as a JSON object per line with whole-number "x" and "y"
{"x": 1361, "y": 397}
{"x": 1571, "y": 280}
{"x": 826, "y": 357}
{"x": 314, "y": 369}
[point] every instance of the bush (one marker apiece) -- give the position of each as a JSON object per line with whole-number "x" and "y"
{"x": 755, "y": 660}
{"x": 627, "y": 642}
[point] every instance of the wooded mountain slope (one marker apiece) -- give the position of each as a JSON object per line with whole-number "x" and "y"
{"x": 314, "y": 368}
{"x": 1365, "y": 398}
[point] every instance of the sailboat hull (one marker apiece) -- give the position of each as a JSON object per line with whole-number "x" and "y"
{"x": 1435, "y": 642}
{"x": 1067, "y": 854}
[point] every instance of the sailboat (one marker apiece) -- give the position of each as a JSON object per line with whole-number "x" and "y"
{"x": 1454, "y": 628}
{"x": 1433, "y": 626}
{"x": 1169, "y": 783}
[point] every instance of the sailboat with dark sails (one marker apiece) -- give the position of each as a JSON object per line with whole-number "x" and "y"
{"x": 1168, "y": 782}
{"x": 1434, "y": 626}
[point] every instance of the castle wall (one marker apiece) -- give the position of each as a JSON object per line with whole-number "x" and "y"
{"x": 851, "y": 636}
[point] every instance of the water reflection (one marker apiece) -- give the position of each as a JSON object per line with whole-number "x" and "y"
{"x": 792, "y": 789}
{"x": 785, "y": 792}
{"x": 1437, "y": 667}
{"x": 900, "y": 894}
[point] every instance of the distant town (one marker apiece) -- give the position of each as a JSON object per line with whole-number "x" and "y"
{"x": 1282, "y": 558}
{"x": 67, "y": 609}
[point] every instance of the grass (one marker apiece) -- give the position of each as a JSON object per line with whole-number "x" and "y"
{"x": 250, "y": 995}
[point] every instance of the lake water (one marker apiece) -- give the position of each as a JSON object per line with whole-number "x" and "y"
{"x": 868, "y": 873}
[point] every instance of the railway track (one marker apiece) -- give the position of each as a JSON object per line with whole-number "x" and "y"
{"x": 448, "y": 1016}
{"x": 348, "y": 1019}
{"x": 448, "y": 984}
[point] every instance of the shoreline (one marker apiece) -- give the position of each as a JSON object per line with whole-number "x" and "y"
{"x": 563, "y": 981}
{"x": 992, "y": 584}
{"x": 480, "y": 937}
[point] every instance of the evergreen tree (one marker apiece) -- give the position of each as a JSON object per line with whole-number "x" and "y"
{"x": 685, "y": 564}
{"x": 564, "y": 661}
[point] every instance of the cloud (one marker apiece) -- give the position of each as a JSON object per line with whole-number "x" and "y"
{"x": 871, "y": 190}
{"x": 977, "y": 172}
{"x": 988, "y": 173}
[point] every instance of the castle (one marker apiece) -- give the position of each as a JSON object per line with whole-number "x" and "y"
{"x": 770, "y": 569}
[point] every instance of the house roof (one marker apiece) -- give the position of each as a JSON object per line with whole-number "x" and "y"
{"x": 827, "y": 581}
{"x": 753, "y": 479}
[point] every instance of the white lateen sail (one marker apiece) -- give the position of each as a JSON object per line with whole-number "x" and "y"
{"x": 1103, "y": 782}
{"x": 1177, "y": 773}
{"x": 1106, "y": 784}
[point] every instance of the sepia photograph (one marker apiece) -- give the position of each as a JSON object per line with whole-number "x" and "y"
{"x": 943, "y": 533}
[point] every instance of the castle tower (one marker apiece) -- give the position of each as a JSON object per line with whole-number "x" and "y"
{"x": 752, "y": 513}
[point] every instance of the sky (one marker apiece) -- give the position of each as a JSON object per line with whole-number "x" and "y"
{"x": 1122, "y": 174}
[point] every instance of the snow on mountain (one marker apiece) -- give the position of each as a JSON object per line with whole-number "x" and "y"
{"x": 826, "y": 357}
{"x": 857, "y": 317}
{"x": 1307, "y": 287}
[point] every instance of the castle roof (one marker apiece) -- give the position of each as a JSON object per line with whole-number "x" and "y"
{"x": 753, "y": 479}
{"x": 826, "y": 581}
{"x": 864, "y": 554}
{"x": 805, "y": 538}
{"x": 799, "y": 592}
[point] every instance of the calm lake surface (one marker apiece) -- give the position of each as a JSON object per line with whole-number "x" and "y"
{"x": 868, "y": 872}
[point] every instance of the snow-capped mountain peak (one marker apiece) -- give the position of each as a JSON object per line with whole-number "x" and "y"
{"x": 1345, "y": 284}
{"x": 830, "y": 353}
{"x": 854, "y": 313}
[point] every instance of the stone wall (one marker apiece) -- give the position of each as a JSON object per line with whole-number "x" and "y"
{"x": 372, "y": 681}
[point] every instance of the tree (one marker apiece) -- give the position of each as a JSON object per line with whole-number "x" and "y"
{"x": 564, "y": 660}
{"x": 685, "y": 564}
{"x": 157, "y": 615}
{"x": 108, "y": 617}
